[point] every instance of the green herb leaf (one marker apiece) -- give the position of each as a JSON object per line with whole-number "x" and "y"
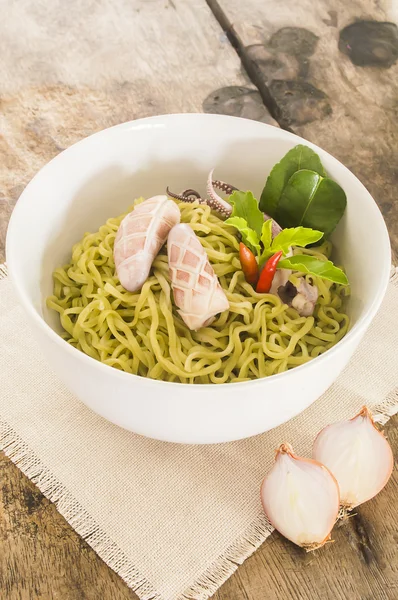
{"x": 245, "y": 205}
{"x": 320, "y": 268}
{"x": 249, "y": 236}
{"x": 295, "y": 236}
{"x": 312, "y": 201}
{"x": 299, "y": 157}
{"x": 266, "y": 234}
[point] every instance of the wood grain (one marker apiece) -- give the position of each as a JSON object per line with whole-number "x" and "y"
{"x": 41, "y": 556}
{"x": 68, "y": 70}
{"x": 300, "y": 54}
{"x": 72, "y": 69}
{"x": 291, "y": 51}
{"x": 361, "y": 564}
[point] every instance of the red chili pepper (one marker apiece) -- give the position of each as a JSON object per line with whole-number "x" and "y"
{"x": 249, "y": 264}
{"x": 267, "y": 274}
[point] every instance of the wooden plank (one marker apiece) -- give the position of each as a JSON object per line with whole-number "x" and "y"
{"x": 75, "y": 68}
{"x": 302, "y": 54}
{"x": 361, "y": 564}
{"x": 70, "y": 69}
{"x": 291, "y": 50}
{"x": 47, "y": 105}
{"x": 41, "y": 556}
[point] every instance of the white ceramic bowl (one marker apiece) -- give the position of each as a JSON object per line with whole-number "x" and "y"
{"x": 98, "y": 178}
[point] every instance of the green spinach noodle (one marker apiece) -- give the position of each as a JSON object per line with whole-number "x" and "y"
{"x": 142, "y": 333}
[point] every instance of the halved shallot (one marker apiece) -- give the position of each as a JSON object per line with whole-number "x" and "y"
{"x": 358, "y": 455}
{"x": 301, "y": 499}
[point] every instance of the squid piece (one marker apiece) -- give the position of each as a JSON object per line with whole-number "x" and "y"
{"x": 197, "y": 291}
{"x": 281, "y": 276}
{"x": 306, "y": 298}
{"x": 140, "y": 236}
{"x": 280, "y": 279}
{"x": 302, "y": 297}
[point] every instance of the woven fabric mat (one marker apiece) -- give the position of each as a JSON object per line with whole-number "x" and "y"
{"x": 174, "y": 521}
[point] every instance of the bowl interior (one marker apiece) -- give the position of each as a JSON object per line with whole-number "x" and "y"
{"x": 100, "y": 177}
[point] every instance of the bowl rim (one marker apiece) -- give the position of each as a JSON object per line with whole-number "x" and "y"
{"x": 352, "y": 334}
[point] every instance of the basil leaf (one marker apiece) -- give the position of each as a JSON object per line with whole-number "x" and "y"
{"x": 245, "y": 205}
{"x": 299, "y": 157}
{"x": 249, "y": 236}
{"x": 320, "y": 268}
{"x": 311, "y": 200}
{"x": 295, "y": 236}
{"x": 266, "y": 234}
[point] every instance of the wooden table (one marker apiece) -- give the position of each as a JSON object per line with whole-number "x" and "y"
{"x": 69, "y": 69}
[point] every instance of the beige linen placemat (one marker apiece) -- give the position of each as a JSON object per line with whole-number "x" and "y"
{"x": 172, "y": 520}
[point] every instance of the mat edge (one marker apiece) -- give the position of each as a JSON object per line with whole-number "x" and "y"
{"x": 80, "y": 520}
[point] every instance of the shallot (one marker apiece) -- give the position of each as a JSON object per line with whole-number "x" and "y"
{"x": 358, "y": 455}
{"x": 301, "y": 499}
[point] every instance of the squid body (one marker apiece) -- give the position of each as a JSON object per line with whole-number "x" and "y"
{"x": 197, "y": 291}
{"x": 140, "y": 236}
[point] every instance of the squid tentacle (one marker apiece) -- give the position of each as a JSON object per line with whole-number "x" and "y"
{"x": 188, "y": 195}
{"x": 224, "y": 187}
{"x": 215, "y": 205}
{"x": 190, "y": 192}
{"x": 215, "y": 201}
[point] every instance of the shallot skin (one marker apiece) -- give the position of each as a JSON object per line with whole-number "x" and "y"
{"x": 196, "y": 289}
{"x": 301, "y": 499}
{"x": 140, "y": 236}
{"x": 358, "y": 455}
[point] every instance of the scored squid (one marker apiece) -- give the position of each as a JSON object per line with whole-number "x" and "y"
{"x": 197, "y": 291}
{"x": 139, "y": 238}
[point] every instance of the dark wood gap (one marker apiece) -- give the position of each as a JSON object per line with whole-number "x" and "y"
{"x": 249, "y": 66}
